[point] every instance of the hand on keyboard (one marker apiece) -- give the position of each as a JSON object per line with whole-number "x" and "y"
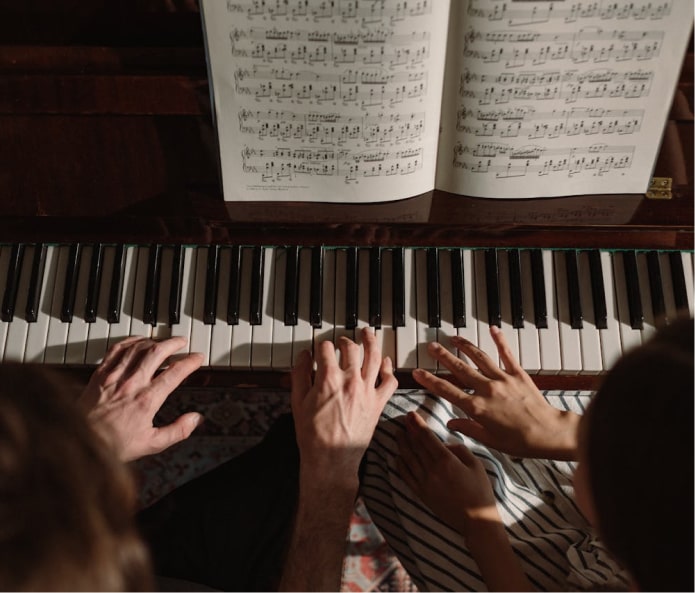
{"x": 505, "y": 409}
{"x": 123, "y": 395}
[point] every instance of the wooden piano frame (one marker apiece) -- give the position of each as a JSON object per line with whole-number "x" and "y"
{"x": 106, "y": 136}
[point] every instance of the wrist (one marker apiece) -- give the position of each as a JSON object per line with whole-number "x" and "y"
{"x": 562, "y": 444}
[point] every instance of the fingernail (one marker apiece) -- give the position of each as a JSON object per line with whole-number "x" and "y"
{"x": 435, "y": 346}
{"x": 418, "y": 373}
{"x": 389, "y": 363}
{"x": 494, "y": 329}
{"x": 198, "y": 420}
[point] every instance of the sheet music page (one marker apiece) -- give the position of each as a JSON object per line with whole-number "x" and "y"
{"x": 327, "y": 100}
{"x": 552, "y": 98}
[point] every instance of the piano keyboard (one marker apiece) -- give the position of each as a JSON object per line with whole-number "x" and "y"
{"x": 255, "y": 308}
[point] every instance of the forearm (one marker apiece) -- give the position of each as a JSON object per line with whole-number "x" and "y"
{"x": 316, "y": 552}
{"x": 561, "y": 437}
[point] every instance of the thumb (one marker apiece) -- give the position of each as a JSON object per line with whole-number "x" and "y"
{"x": 462, "y": 452}
{"x": 179, "y": 430}
{"x": 470, "y": 428}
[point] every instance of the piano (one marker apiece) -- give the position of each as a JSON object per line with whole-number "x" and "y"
{"x": 112, "y": 223}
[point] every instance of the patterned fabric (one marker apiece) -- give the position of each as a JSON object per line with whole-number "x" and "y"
{"x": 552, "y": 539}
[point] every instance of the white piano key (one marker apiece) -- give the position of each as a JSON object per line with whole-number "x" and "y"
{"x": 262, "y": 339}
{"x": 589, "y": 337}
{"x": 667, "y": 286}
{"x": 57, "y": 329}
{"x": 649, "y": 324}
{"x": 406, "y": 337}
{"x": 243, "y": 332}
{"x": 15, "y": 345}
{"x": 121, "y": 329}
{"x": 629, "y": 338}
{"x": 447, "y": 329}
{"x": 282, "y": 334}
{"x": 611, "y": 346}
{"x": 162, "y": 330}
{"x": 78, "y": 332}
{"x": 340, "y": 296}
{"x": 5, "y": 252}
{"x": 424, "y": 333}
{"x": 570, "y": 343}
{"x": 98, "y": 336}
{"x": 221, "y": 332}
{"x": 188, "y": 280}
{"x": 303, "y": 333}
{"x": 38, "y": 331}
{"x": 470, "y": 279}
{"x": 485, "y": 342}
{"x": 529, "y": 339}
{"x": 508, "y": 330}
{"x": 688, "y": 273}
{"x": 137, "y": 326}
{"x": 327, "y": 329}
{"x": 200, "y": 331}
{"x": 386, "y": 334}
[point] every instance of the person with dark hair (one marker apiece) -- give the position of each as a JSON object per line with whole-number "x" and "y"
{"x": 633, "y": 481}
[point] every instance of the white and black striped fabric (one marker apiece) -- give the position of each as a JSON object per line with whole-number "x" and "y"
{"x": 554, "y": 542}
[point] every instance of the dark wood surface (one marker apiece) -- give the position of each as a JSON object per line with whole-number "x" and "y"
{"x": 106, "y": 135}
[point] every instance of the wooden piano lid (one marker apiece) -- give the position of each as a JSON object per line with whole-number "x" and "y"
{"x": 106, "y": 135}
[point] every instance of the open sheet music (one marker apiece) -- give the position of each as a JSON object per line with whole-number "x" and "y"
{"x": 376, "y": 100}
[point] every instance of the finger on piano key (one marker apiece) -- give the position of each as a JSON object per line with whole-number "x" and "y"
{"x": 670, "y": 309}
{"x": 509, "y": 331}
{"x": 406, "y": 336}
{"x": 121, "y": 302}
{"x": 629, "y": 337}
{"x": 611, "y": 345}
{"x": 262, "y": 338}
{"x": 529, "y": 340}
{"x": 425, "y": 333}
{"x": 184, "y": 325}
{"x": 19, "y": 326}
{"x": 656, "y": 288}
{"x": 469, "y": 331}
{"x": 363, "y": 291}
{"x": 234, "y": 294}
{"x": 285, "y": 258}
{"x": 38, "y": 330}
{"x": 35, "y": 283}
{"x": 648, "y": 322}
{"x": 138, "y": 325}
{"x": 549, "y": 327}
{"x": 161, "y": 329}
{"x": 327, "y": 330}
{"x": 243, "y": 332}
{"x": 483, "y": 266}
{"x": 303, "y": 331}
{"x": 154, "y": 263}
{"x": 340, "y": 296}
{"x": 592, "y": 361}
{"x": 316, "y": 301}
{"x": 96, "y": 266}
{"x": 375, "y": 286}
{"x": 398, "y": 287}
{"x": 221, "y": 332}
{"x": 76, "y": 346}
{"x": 598, "y": 289}
{"x": 98, "y": 336}
{"x": 351, "y": 288}
{"x": 211, "y": 279}
{"x": 12, "y": 279}
{"x": 386, "y": 334}
{"x": 57, "y": 329}
{"x": 446, "y": 329}
{"x": 516, "y": 291}
{"x": 176, "y": 286}
{"x": 570, "y": 343}
{"x": 201, "y": 332}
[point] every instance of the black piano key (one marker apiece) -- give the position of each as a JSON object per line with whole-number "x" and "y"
{"x": 399, "y": 288}
{"x": 234, "y": 286}
{"x": 256, "y": 305}
{"x": 516, "y": 300}
{"x": 680, "y": 293}
{"x": 656, "y": 289}
{"x": 375, "y": 287}
{"x": 176, "y": 287}
{"x": 492, "y": 285}
{"x": 291, "y": 285}
{"x": 573, "y": 296}
{"x": 154, "y": 263}
{"x": 35, "y": 282}
{"x": 458, "y": 293}
{"x": 14, "y": 271}
{"x": 316, "y": 300}
{"x": 634, "y": 298}
{"x": 96, "y": 266}
{"x": 351, "y": 289}
{"x": 70, "y": 289}
{"x": 434, "y": 308}
{"x": 598, "y": 290}
{"x": 540, "y": 306}
{"x": 116, "y": 290}
{"x": 211, "y": 275}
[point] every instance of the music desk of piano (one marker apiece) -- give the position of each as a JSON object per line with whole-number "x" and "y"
{"x": 106, "y": 141}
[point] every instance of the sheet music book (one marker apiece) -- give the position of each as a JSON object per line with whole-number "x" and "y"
{"x": 377, "y": 100}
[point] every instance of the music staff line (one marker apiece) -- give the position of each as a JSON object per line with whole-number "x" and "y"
{"x": 576, "y": 11}
{"x": 287, "y": 164}
{"x": 332, "y": 129}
